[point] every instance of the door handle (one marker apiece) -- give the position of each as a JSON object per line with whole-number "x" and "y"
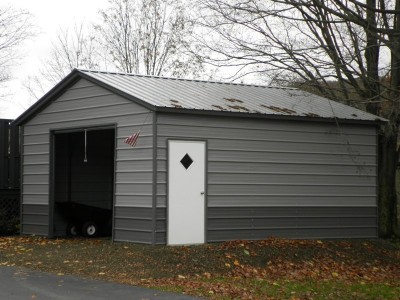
{"x": 201, "y": 193}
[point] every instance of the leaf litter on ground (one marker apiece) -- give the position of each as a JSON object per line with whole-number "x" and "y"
{"x": 231, "y": 270}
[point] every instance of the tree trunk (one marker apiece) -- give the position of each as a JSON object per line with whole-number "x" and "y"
{"x": 387, "y": 165}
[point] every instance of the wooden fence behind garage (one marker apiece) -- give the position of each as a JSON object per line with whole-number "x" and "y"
{"x": 9, "y": 177}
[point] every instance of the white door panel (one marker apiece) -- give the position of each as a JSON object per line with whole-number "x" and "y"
{"x": 186, "y": 187}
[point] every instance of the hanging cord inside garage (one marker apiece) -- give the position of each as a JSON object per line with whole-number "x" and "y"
{"x": 85, "y": 158}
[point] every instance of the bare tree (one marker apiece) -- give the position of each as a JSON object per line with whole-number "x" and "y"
{"x": 73, "y": 47}
{"x": 148, "y": 37}
{"x": 15, "y": 28}
{"x": 345, "y": 50}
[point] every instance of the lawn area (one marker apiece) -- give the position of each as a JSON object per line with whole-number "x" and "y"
{"x": 269, "y": 269}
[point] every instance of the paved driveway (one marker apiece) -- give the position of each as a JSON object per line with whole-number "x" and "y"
{"x": 21, "y": 283}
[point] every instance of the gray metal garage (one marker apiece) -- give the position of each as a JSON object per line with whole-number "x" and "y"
{"x": 213, "y": 161}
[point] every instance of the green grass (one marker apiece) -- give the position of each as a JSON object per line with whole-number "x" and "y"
{"x": 309, "y": 289}
{"x": 261, "y": 289}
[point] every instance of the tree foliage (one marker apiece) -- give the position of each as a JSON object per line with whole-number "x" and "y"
{"x": 346, "y": 50}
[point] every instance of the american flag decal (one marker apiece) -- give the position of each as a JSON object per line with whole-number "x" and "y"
{"x": 132, "y": 139}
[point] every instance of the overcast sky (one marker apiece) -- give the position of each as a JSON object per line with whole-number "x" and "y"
{"x": 49, "y": 16}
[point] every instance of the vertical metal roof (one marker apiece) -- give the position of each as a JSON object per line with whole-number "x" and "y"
{"x": 228, "y": 97}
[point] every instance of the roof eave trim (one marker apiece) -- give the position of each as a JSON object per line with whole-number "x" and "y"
{"x": 265, "y": 116}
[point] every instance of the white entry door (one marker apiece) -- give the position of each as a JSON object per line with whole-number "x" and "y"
{"x": 186, "y": 183}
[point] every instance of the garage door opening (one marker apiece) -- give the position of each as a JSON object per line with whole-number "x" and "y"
{"x": 83, "y": 183}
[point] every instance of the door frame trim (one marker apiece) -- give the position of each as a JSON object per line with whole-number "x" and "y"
{"x": 205, "y": 184}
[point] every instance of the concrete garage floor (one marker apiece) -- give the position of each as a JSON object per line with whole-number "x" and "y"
{"x": 20, "y": 283}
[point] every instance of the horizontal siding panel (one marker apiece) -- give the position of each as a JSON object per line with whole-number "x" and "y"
{"x": 161, "y": 201}
{"x": 35, "y": 179}
{"x": 134, "y": 200}
{"x": 277, "y": 212}
{"x": 135, "y": 153}
{"x": 132, "y": 224}
{"x": 126, "y": 117}
{"x": 356, "y": 232}
{"x": 296, "y": 222}
{"x": 35, "y": 209}
{"x": 83, "y": 91}
{"x": 33, "y": 131}
{"x": 245, "y": 134}
{"x": 35, "y": 199}
{"x": 320, "y": 233}
{"x": 230, "y": 167}
{"x": 133, "y": 177}
{"x": 287, "y": 147}
{"x": 287, "y": 189}
{"x": 161, "y": 188}
{"x": 133, "y": 212}
{"x": 142, "y": 122}
{"x": 161, "y": 238}
{"x": 82, "y": 114}
{"x": 161, "y": 213}
{"x": 36, "y": 220}
{"x": 36, "y": 159}
{"x": 249, "y": 234}
{"x": 143, "y": 142}
{"x": 291, "y": 222}
{"x": 298, "y": 179}
{"x": 82, "y": 83}
{"x": 161, "y": 176}
{"x": 276, "y": 148}
{"x": 161, "y": 226}
{"x": 36, "y": 139}
{"x": 138, "y": 165}
{"x": 133, "y": 236}
{"x": 91, "y": 102}
{"x": 36, "y": 169}
{"x": 263, "y": 124}
{"x": 161, "y": 165}
{"x": 35, "y": 229}
{"x": 39, "y": 148}
{"x": 37, "y": 188}
{"x": 135, "y": 188}
{"x": 291, "y": 157}
{"x": 290, "y": 200}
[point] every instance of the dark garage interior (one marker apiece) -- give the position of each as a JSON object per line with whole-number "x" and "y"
{"x": 83, "y": 182}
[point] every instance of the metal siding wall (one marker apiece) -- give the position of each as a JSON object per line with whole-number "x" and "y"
{"x": 87, "y": 105}
{"x": 310, "y": 175}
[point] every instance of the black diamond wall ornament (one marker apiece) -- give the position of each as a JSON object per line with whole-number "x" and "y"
{"x": 186, "y": 161}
